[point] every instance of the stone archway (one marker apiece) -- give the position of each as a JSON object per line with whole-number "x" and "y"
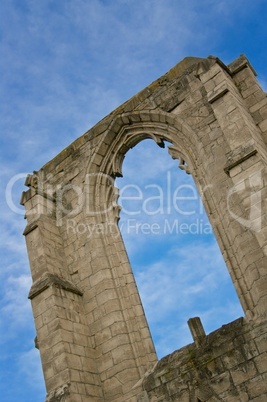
{"x": 92, "y": 333}
{"x": 126, "y": 131}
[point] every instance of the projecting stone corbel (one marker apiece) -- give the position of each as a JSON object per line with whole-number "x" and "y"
{"x": 59, "y": 395}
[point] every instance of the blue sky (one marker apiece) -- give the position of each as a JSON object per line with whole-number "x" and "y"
{"x": 64, "y": 65}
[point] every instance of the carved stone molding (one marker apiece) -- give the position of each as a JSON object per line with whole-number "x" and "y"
{"x": 59, "y": 395}
{"x": 177, "y": 154}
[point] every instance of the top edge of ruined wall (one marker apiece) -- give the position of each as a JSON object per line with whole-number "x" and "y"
{"x": 184, "y": 67}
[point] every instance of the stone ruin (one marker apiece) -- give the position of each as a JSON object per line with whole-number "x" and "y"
{"x": 92, "y": 334}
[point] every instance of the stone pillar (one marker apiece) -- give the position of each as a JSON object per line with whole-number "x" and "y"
{"x": 63, "y": 336}
{"x": 92, "y": 333}
{"x": 242, "y": 209}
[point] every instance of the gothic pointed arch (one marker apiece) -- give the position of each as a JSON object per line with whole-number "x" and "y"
{"x": 126, "y": 131}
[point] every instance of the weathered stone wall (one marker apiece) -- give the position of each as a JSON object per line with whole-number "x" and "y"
{"x": 92, "y": 333}
{"x": 229, "y": 365}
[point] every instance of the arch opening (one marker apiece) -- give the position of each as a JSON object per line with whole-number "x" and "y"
{"x": 178, "y": 267}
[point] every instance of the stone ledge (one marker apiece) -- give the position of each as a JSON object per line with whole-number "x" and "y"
{"x": 238, "y": 156}
{"x": 30, "y": 227}
{"x": 52, "y": 280}
{"x": 217, "y": 93}
{"x": 239, "y": 64}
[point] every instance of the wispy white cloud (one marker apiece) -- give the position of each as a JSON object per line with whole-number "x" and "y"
{"x": 21, "y": 374}
{"x": 29, "y": 367}
{"x": 179, "y": 275}
{"x": 15, "y": 307}
{"x": 161, "y": 196}
{"x": 188, "y": 282}
{"x": 263, "y": 83}
{"x": 65, "y": 65}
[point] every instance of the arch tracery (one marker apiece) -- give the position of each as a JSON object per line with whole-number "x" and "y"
{"x": 124, "y": 133}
